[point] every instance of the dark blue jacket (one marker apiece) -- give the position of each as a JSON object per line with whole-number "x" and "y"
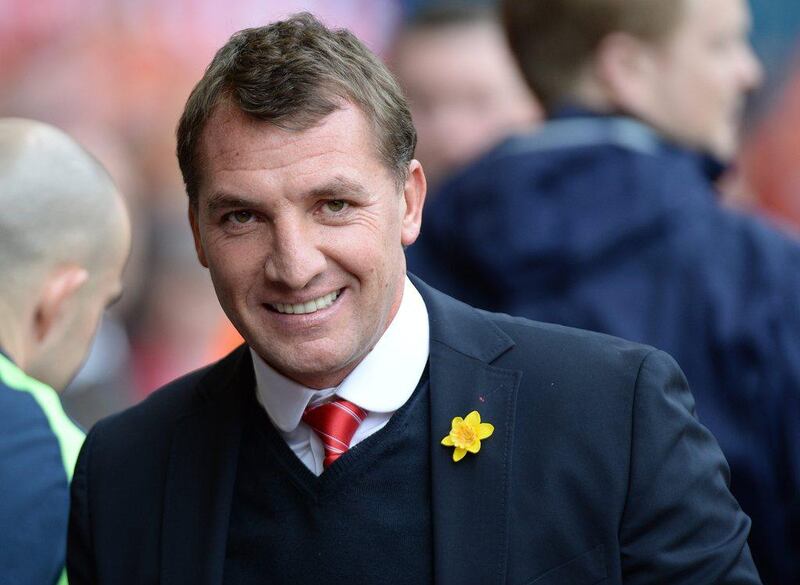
{"x": 597, "y": 223}
{"x": 38, "y": 448}
{"x": 597, "y": 470}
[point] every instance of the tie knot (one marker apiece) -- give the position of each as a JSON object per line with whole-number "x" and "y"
{"x": 335, "y": 423}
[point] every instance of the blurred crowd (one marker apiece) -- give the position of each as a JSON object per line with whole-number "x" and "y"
{"x": 115, "y": 74}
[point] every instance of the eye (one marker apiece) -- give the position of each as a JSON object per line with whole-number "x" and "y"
{"x": 335, "y": 205}
{"x": 239, "y": 217}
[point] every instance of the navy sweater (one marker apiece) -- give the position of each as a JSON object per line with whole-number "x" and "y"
{"x": 366, "y": 519}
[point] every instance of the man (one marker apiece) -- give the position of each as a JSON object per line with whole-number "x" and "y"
{"x": 463, "y": 87}
{"x": 64, "y": 238}
{"x": 373, "y": 430}
{"x": 607, "y": 219}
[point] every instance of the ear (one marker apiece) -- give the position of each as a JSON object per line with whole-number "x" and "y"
{"x": 58, "y": 289}
{"x": 198, "y": 244}
{"x": 414, "y": 192}
{"x": 625, "y": 67}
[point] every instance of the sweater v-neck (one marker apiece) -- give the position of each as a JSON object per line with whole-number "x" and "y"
{"x": 350, "y": 465}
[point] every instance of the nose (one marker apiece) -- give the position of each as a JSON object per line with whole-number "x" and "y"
{"x": 752, "y": 72}
{"x": 295, "y": 258}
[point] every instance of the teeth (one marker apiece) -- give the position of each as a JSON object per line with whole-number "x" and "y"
{"x": 309, "y": 307}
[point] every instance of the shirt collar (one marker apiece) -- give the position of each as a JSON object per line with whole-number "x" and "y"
{"x": 382, "y": 382}
{"x": 709, "y": 165}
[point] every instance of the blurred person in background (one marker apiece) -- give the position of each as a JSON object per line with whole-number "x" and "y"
{"x": 127, "y": 120}
{"x": 64, "y": 240}
{"x": 105, "y": 383}
{"x": 607, "y": 219}
{"x": 464, "y": 89}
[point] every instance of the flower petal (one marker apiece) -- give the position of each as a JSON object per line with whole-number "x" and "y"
{"x": 475, "y": 447}
{"x": 485, "y": 430}
{"x": 457, "y": 421}
{"x": 473, "y": 419}
{"x": 458, "y": 454}
{"x": 448, "y": 441}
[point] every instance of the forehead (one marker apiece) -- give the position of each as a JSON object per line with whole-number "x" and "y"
{"x": 708, "y": 16}
{"x": 233, "y": 140}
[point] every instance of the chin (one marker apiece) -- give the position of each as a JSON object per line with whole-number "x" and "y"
{"x": 725, "y": 143}
{"x": 724, "y": 150}
{"x": 302, "y": 363}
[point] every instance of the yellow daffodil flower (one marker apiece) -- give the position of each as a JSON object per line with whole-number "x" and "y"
{"x": 466, "y": 435}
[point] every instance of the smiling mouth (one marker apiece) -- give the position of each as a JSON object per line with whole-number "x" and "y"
{"x": 311, "y": 306}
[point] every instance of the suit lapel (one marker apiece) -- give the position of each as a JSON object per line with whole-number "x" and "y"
{"x": 201, "y": 477}
{"x": 469, "y": 498}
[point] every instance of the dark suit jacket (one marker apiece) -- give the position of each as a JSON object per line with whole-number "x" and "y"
{"x": 597, "y": 471}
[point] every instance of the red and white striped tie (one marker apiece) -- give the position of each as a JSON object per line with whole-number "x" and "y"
{"x": 335, "y": 422}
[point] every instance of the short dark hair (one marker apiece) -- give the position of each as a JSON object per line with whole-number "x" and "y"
{"x": 553, "y": 40}
{"x": 293, "y": 73}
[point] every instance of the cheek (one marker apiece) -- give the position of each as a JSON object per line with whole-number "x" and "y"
{"x": 83, "y": 331}
{"x": 690, "y": 101}
{"x": 359, "y": 260}
{"x": 231, "y": 284}
{"x": 708, "y": 83}
{"x": 234, "y": 263}
{"x": 369, "y": 260}
{"x": 712, "y": 103}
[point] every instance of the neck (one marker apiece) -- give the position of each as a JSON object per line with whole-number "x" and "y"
{"x": 588, "y": 93}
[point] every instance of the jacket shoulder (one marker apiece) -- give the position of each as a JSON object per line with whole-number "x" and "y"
{"x": 522, "y": 344}
{"x": 566, "y": 346}
{"x": 165, "y": 407}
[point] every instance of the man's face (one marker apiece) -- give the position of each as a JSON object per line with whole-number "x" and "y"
{"x": 303, "y": 233}
{"x": 702, "y": 75}
{"x": 465, "y": 93}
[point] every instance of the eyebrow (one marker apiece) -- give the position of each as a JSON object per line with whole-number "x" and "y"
{"x": 338, "y": 187}
{"x": 341, "y": 186}
{"x": 224, "y": 200}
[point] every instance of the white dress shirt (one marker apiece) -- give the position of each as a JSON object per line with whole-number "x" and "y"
{"x": 382, "y": 383}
